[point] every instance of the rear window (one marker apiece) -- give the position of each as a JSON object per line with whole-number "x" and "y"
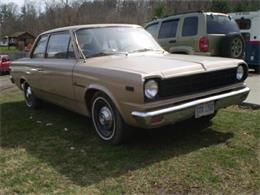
{"x": 168, "y": 29}
{"x": 244, "y": 24}
{"x": 152, "y": 29}
{"x": 190, "y": 26}
{"x": 219, "y": 24}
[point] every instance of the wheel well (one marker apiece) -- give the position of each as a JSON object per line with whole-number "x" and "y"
{"x": 88, "y": 97}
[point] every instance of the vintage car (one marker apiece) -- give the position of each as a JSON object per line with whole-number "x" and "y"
{"x": 4, "y": 64}
{"x": 120, "y": 77}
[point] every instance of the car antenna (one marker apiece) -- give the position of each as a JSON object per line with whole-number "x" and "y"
{"x": 79, "y": 48}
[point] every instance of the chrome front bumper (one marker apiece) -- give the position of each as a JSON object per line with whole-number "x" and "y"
{"x": 187, "y": 110}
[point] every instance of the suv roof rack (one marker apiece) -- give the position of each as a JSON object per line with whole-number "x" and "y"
{"x": 180, "y": 13}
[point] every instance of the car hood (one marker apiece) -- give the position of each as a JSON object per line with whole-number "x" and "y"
{"x": 162, "y": 65}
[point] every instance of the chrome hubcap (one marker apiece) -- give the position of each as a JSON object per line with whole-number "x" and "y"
{"x": 105, "y": 117}
{"x": 28, "y": 92}
{"x": 28, "y": 96}
{"x": 236, "y": 47}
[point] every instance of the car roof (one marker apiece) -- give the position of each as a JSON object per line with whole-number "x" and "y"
{"x": 77, "y": 27}
{"x": 183, "y": 13}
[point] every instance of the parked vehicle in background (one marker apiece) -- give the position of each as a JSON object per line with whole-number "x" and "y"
{"x": 120, "y": 77}
{"x": 248, "y": 23}
{"x": 4, "y": 64}
{"x": 199, "y": 33}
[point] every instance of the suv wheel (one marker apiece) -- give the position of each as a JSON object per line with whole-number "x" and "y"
{"x": 107, "y": 120}
{"x": 30, "y": 100}
{"x": 233, "y": 46}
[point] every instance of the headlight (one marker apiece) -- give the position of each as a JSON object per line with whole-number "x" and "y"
{"x": 240, "y": 72}
{"x": 151, "y": 89}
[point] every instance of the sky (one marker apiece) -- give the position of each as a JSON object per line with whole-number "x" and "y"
{"x": 18, "y": 2}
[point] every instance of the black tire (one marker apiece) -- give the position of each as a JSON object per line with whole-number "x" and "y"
{"x": 31, "y": 100}
{"x": 232, "y": 46}
{"x": 107, "y": 121}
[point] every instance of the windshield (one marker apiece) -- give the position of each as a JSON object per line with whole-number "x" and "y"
{"x": 220, "y": 24}
{"x": 115, "y": 40}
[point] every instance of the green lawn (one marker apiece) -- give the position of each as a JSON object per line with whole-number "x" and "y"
{"x": 67, "y": 157}
{"x": 5, "y": 50}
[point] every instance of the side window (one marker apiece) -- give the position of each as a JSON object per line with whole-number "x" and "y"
{"x": 190, "y": 26}
{"x": 152, "y": 29}
{"x": 168, "y": 29}
{"x": 39, "y": 50}
{"x": 58, "y": 45}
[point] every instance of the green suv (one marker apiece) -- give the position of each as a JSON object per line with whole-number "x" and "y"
{"x": 198, "y": 33}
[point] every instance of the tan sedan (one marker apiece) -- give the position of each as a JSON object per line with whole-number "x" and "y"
{"x": 119, "y": 76}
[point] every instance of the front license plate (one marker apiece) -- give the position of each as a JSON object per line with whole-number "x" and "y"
{"x": 204, "y": 109}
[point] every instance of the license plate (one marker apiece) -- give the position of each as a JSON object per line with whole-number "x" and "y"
{"x": 204, "y": 109}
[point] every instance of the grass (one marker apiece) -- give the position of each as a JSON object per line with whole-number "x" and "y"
{"x": 67, "y": 157}
{"x": 5, "y": 50}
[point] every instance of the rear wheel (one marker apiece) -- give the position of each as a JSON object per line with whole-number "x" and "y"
{"x": 107, "y": 121}
{"x": 30, "y": 99}
{"x": 232, "y": 46}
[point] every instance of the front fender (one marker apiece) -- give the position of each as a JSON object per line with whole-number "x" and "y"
{"x": 105, "y": 90}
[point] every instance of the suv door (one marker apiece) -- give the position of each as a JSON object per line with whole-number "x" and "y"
{"x": 188, "y": 39}
{"x": 168, "y": 33}
{"x": 56, "y": 72}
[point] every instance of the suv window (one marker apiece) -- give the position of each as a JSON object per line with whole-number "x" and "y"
{"x": 221, "y": 24}
{"x": 39, "y": 50}
{"x": 152, "y": 29}
{"x": 244, "y": 24}
{"x": 58, "y": 45}
{"x": 190, "y": 26}
{"x": 168, "y": 29}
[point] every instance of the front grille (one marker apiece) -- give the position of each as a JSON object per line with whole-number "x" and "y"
{"x": 196, "y": 83}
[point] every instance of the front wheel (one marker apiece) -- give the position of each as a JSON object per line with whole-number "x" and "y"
{"x": 107, "y": 121}
{"x": 30, "y": 99}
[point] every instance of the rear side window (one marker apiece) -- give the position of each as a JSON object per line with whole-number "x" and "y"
{"x": 244, "y": 24}
{"x": 58, "y": 45}
{"x": 168, "y": 29}
{"x": 39, "y": 50}
{"x": 152, "y": 29}
{"x": 190, "y": 26}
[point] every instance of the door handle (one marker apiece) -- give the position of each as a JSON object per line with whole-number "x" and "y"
{"x": 172, "y": 41}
